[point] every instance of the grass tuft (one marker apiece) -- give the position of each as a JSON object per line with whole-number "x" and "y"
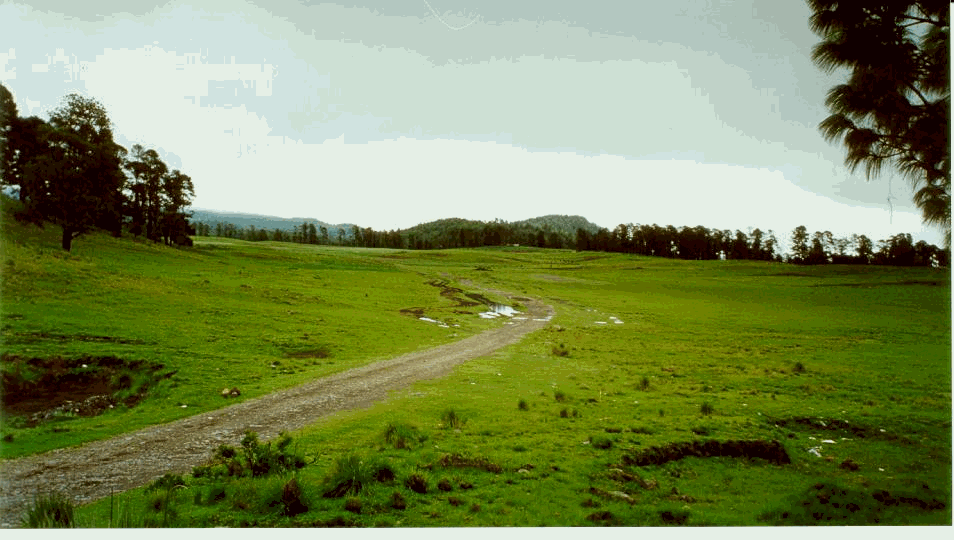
{"x": 402, "y": 435}
{"x": 706, "y": 408}
{"x": 416, "y": 483}
{"x": 452, "y": 419}
{"x": 397, "y": 501}
{"x": 50, "y": 511}
{"x": 601, "y": 442}
{"x": 351, "y": 474}
{"x": 293, "y": 502}
{"x": 353, "y": 504}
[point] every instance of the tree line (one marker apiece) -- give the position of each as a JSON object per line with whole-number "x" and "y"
{"x": 70, "y": 172}
{"x": 442, "y": 234}
{"x": 897, "y": 250}
{"x": 700, "y": 243}
{"x": 689, "y": 243}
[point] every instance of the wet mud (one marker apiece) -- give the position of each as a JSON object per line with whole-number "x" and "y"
{"x": 40, "y": 389}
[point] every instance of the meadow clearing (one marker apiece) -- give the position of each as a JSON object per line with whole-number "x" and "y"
{"x": 826, "y": 390}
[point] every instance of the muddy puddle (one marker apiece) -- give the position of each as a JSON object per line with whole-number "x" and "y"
{"x": 40, "y": 389}
{"x": 463, "y": 299}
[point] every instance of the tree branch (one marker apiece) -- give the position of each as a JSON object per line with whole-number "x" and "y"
{"x": 919, "y": 94}
{"x": 923, "y": 20}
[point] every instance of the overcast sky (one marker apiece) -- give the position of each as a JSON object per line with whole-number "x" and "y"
{"x": 396, "y": 112}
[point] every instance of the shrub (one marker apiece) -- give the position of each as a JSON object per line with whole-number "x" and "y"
{"x": 262, "y": 459}
{"x": 561, "y": 351}
{"x": 799, "y": 368}
{"x": 522, "y": 405}
{"x": 50, "y": 511}
{"x": 560, "y": 395}
{"x": 564, "y": 413}
{"x": 644, "y": 383}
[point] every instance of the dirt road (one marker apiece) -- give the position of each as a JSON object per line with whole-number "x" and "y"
{"x": 89, "y": 472}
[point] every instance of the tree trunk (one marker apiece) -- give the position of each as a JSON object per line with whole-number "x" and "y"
{"x": 67, "y": 238}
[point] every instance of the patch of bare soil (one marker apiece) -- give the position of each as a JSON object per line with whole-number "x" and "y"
{"x": 46, "y": 336}
{"x": 459, "y": 297}
{"x": 92, "y": 471}
{"x": 771, "y": 451}
{"x": 39, "y": 389}
{"x": 929, "y": 283}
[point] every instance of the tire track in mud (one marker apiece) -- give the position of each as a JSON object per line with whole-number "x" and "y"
{"x": 94, "y": 470}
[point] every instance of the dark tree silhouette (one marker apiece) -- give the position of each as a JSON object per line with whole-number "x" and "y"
{"x": 800, "y": 244}
{"x": 895, "y": 107}
{"x": 145, "y": 199}
{"x": 8, "y": 120}
{"x": 177, "y": 191}
{"x": 77, "y": 179}
{"x": 25, "y": 143}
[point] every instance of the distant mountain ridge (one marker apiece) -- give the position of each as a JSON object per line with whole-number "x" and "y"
{"x": 561, "y": 224}
{"x": 269, "y": 223}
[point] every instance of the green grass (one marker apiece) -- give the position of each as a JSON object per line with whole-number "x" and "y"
{"x": 715, "y": 350}
{"x": 256, "y": 316}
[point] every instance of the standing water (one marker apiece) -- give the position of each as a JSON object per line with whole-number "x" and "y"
{"x": 498, "y": 310}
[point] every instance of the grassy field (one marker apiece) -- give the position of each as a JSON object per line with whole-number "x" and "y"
{"x": 224, "y": 314}
{"x": 848, "y": 368}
